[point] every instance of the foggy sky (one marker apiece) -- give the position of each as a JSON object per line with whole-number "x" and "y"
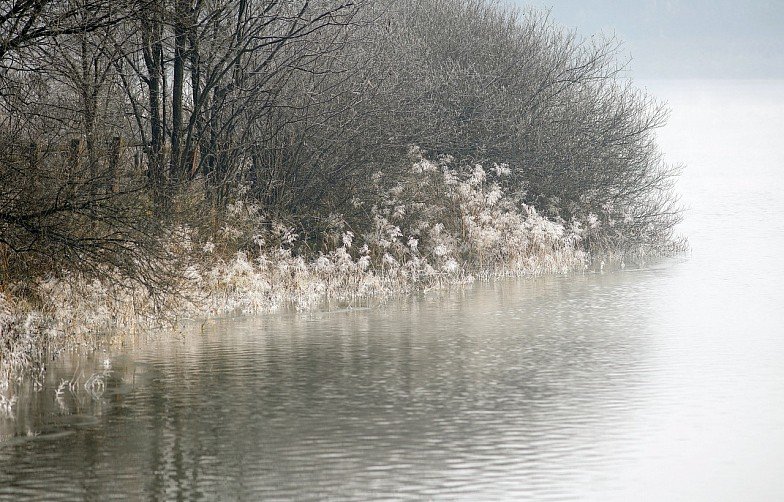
{"x": 684, "y": 38}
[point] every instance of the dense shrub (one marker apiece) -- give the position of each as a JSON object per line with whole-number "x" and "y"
{"x": 161, "y": 158}
{"x": 484, "y": 84}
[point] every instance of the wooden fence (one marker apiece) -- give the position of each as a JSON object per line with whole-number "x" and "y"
{"x": 104, "y": 162}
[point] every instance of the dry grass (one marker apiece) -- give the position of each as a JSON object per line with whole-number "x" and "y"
{"x": 440, "y": 226}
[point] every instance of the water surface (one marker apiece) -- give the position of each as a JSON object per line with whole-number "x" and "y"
{"x": 660, "y": 383}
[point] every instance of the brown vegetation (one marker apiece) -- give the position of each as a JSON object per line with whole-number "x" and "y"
{"x": 127, "y": 124}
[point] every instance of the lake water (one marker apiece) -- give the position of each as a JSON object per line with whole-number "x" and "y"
{"x": 665, "y": 383}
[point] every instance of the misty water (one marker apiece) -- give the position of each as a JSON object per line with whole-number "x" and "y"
{"x": 664, "y": 382}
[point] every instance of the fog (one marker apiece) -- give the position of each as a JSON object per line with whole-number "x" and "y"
{"x": 656, "y": 383}
{"x": 660, "y": 380}
{"x": 683, "y": 39}
{"x": 720, "y": 316}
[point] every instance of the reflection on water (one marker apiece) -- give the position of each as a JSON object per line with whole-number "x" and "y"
{"x": 494, "y": 390}
{"x": 661, "y": 384}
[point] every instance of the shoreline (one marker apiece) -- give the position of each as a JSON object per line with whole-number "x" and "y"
{"x": 45, "y": 337}
{"x": 34, "y": 336}
{"x": 437, "y": 229}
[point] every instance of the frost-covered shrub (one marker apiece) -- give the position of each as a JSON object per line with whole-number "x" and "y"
{"x": 459, "y": 219}
{"x": 441, "y": 223}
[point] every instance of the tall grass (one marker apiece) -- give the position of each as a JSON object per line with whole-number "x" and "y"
{"x": 437, "y": 225}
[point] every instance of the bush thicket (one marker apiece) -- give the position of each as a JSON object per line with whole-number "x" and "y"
{"x": 417, "y": 136}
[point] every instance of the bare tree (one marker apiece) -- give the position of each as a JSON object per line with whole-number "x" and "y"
{"x": 210, "y": 71}
{"x": 62, "y": 207}
{"x": 484, "y": 83}
{"x": 302, "y": 102}
{"x": 24, "y": 23}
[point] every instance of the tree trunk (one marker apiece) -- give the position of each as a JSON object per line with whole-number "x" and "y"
{"x": 176, "y": 166}
{"x": 152, "y": 52}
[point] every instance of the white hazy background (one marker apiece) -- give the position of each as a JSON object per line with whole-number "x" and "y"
{"x": 713, "y": 428}
{"x": 705, "y": 39}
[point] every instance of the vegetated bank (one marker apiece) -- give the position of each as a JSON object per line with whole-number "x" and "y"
{"x": 160, "y": 159}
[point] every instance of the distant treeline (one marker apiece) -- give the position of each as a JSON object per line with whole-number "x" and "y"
{"x": 123, "y": 119}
